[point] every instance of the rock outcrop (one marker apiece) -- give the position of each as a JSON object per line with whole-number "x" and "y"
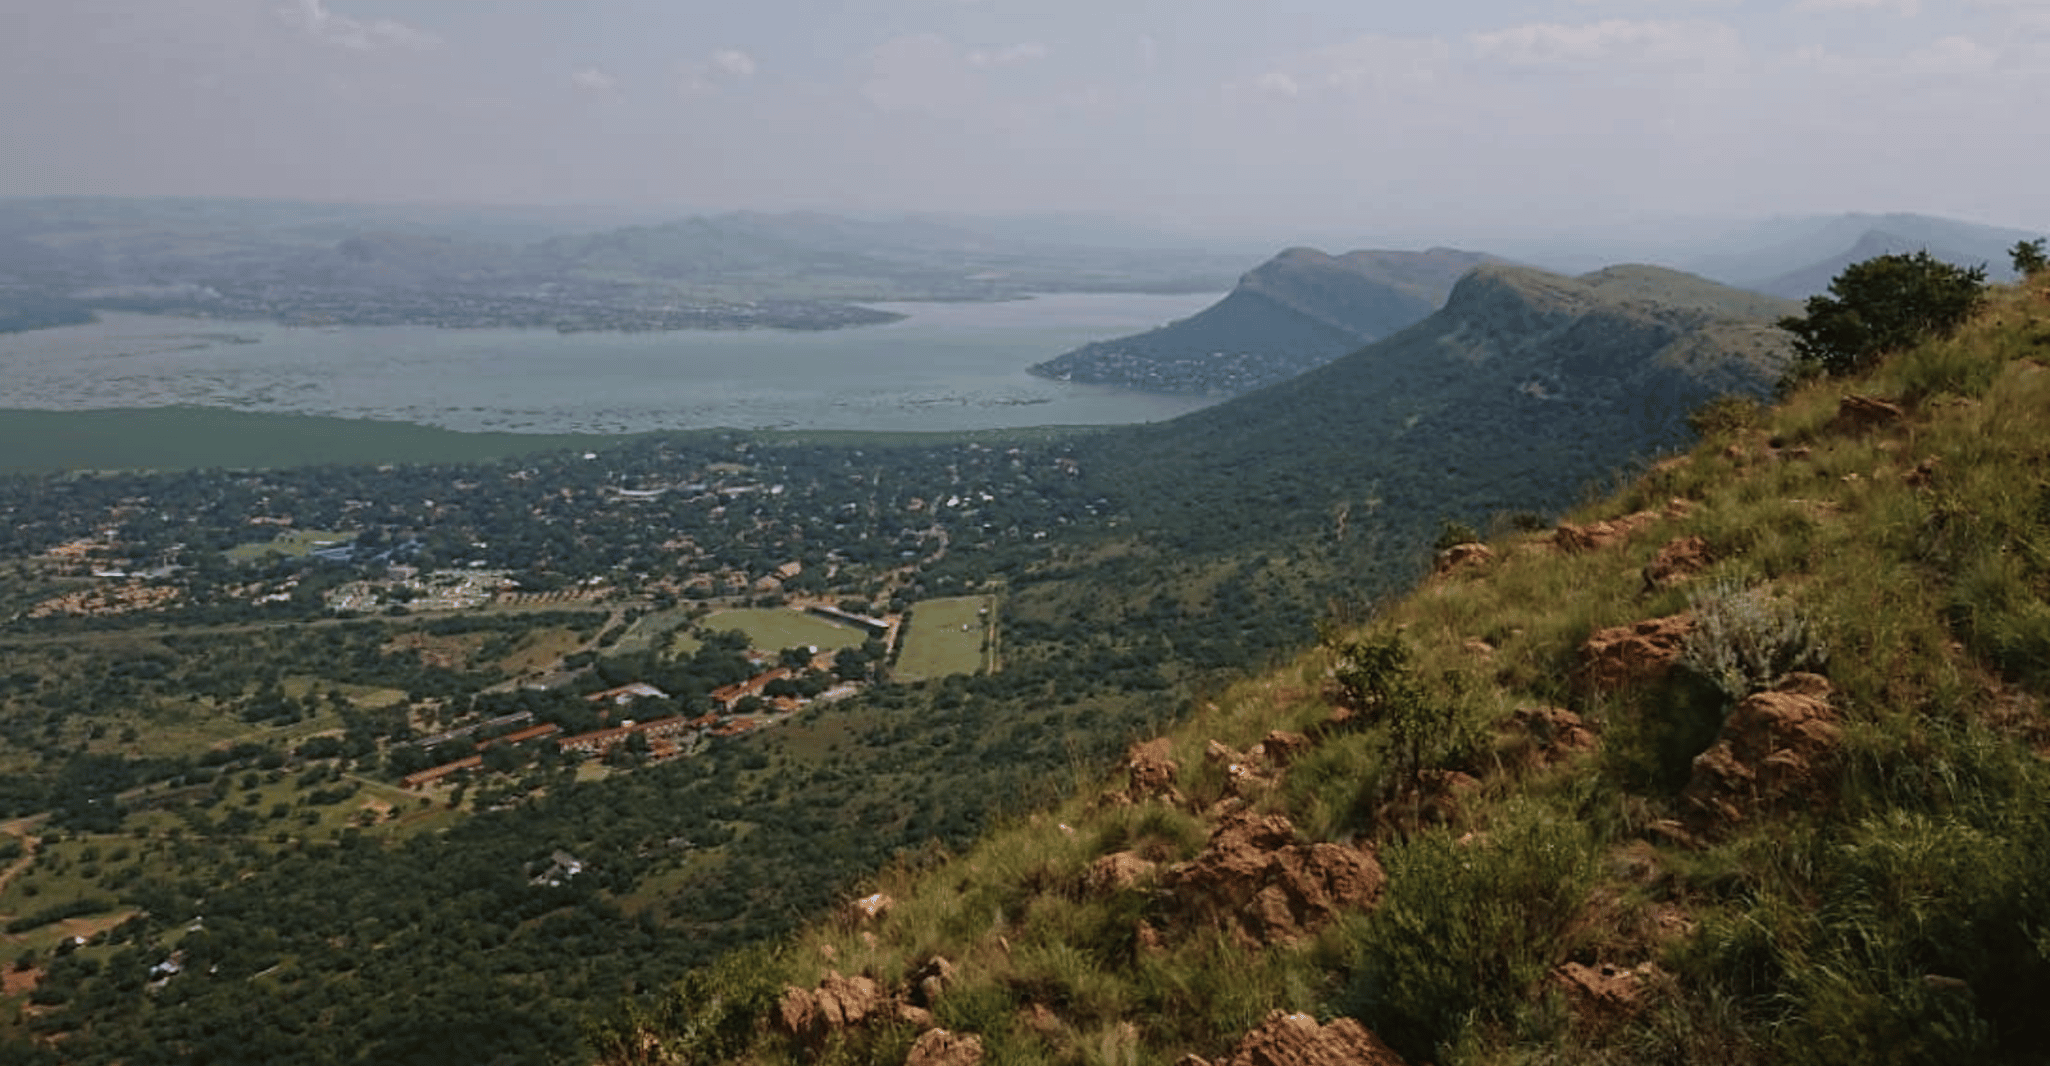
{"x": 1680, "y": 559}
{"x": 1150, "y": 774}
{"x": 1771, "y": 756}
{"x": 838, "y": 1003}
{"x": 1297, "y": 1040}
{"x": 1595, "y": 536}
{"x": 1553, "y": 734}
{"x": 1626, "y": 656}
{"x": 939, "y": 1047}
{"x": 1256, "y": 880}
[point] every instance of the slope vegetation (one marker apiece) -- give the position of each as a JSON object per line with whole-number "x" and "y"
{"x": 1744, "y": 764}
{"x": 1301, "y": 309}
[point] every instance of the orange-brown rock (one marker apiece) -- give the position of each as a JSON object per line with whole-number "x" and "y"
{"x": 1606, "y": 992}
{"x": 1255, "y": 879}
{"x": 1772, "y": 755}
{"x": 1679, "y": 560}
{"x": 932, "y": 979}
{"x": 1924, "y": 473}
{"x": 1297, "y": 1040}
{"x": 1555, "y": 734}
{"x": 1116, "y": 871}
{"x": 1855, "y": 412}
{"x": 1150, "y": 774}
{"x": 1460, "y": 556}
{"x": 1595, "y": 536}
{"x": 838, "y": 1003}
{"x": 1624, "y": 656}
{"x": 869, "y": 908}
{"x": 1281, "y": 748}
{"x": 939, "y": 1047}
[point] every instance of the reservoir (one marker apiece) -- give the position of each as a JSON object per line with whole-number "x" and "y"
{"x": 949, "y": 366}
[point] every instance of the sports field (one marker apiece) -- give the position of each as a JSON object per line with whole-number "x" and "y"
{"x": 948, "y": 636}
{"x": 773, "y": 629}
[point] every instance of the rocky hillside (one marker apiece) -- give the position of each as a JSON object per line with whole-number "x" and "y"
{"x": 1299, "y": 310}
{"x": 1744, "y": 764}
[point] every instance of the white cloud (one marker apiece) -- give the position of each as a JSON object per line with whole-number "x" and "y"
{"x": 593, "y": 80}
{"x": 313, "y": 18}
{"x": 1610, "y": 41}
{"x": 734, "y": 62}
{"x": 918, "y": 73}
{"x": 1903, "y": 8}
{"x": 1372, "y": 66}
{"x": 706, "y": 77}
{"x": 1009, "y": 56}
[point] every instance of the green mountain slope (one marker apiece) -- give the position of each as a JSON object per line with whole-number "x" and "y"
{"x": 1300, "y": 309}
{"x": 1524, "y": 387}
{"x": 1743, "y": 765}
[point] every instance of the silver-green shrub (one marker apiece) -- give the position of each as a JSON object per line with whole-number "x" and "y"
{"x": 1746, "y": 640}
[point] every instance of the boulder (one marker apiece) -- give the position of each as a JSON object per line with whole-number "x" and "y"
{"x": 1771, "y": 756}
{"x": 1636, "y": 654}
{"x": 1255, "y": 879}
{"x": 1855, "y": 412}
{"x": 1595, "y": 536}
{"x": 939, "y": 1047}
{"x": 1280, "y": 748}
{"x": 1150, "y": 774}
{"x": 1285, "y": 1039}
{"x": 870, "y": 908}
{"x": 1461, "y": 556}
{"x": 932, "y": 979}
{"x": 1555, "y": 733}
{"x": 1605, "y": 992}
{"x": 838, "y": 1003}
{"x": 1116, "y": 872}
{"x": 1679, "y": 560}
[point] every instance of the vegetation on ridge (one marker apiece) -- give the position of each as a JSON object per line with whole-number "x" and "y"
{"x": 1654, "y": 863}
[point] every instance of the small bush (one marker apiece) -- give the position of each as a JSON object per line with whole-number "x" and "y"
{"x": 1746, "y": 640}
{"x": 1726, "y": 414}
{"x": 1468, "y": 930}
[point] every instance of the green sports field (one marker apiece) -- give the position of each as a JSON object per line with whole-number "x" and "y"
{"x": 947, "y": 636}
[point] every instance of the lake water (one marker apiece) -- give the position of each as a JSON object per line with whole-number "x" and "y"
{"x": 947, "y": 367}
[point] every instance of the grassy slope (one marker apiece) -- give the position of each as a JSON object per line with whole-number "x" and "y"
{"x": 1893, "y": 914}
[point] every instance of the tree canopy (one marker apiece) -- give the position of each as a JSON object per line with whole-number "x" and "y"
{"x": 1881, "y": 305}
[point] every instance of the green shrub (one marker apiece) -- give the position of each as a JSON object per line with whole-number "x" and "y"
{"x": 1747, "y": 640}
{"x": 1467, "y": 930}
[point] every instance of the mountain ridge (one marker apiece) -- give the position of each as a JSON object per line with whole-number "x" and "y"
{"x": 1297, "y": 310}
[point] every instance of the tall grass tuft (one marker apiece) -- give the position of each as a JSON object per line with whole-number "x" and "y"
{"x": 1468, "y": 928}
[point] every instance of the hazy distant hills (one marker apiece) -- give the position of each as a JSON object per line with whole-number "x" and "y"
{"x": 1300, "y": 309}
{"x": 1524, "y": 378}
{"x": 323, "y": 263}
{"x": 1797, "y": 258}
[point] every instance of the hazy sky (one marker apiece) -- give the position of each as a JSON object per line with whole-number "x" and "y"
{"x": 1214, "y": 114}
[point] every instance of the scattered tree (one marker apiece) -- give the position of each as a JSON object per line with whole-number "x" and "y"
{"x": 2028, "y": 257}
{"x": 1881, "y": 305}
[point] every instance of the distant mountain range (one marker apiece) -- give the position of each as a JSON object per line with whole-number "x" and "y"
{"x": 320, "y": 263}
{"x": 1301, "y": 309}
{"x": 1798, "y": 258}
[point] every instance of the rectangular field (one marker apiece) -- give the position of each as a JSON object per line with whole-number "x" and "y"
{"x": 773, "y": 629}
{"x": 948, "y": 636}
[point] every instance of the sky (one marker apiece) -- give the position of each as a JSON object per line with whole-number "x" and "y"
{"x": 1205, "y": 115}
